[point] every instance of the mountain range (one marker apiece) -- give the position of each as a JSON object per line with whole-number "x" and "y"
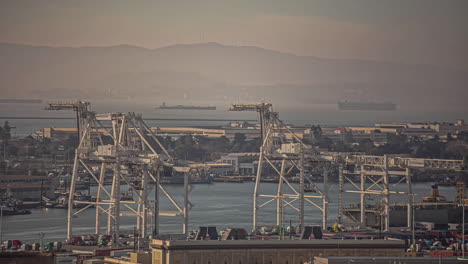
{"x": 214, "y": 72}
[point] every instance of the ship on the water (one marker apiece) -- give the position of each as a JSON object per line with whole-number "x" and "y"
{"x": 184, "y": 107}
{"x": 20, "y": 101}
{"x": 365, "y": 106}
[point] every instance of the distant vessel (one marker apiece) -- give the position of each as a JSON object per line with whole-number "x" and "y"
{"x": 185, "y": 107}
{"x": 12, "y": 207}
{"x": 364, "y": 106}
{"x": 20, "y": 101}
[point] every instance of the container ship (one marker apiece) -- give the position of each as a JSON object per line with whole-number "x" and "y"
{"x": 185, "y": 107}
{"x": 365, "y": 106}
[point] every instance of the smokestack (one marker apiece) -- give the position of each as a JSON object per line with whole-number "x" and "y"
{"x": 435, "y": 190}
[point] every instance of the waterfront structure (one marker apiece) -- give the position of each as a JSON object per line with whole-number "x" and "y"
{"x": 377, "y": 170}
{"x": 284, "y": 155}
{"x": 425, "y": 129}
{"x": 408, "y": 131}
{"x": 244, "y": 163}
{"x": 27, "y": 187}
{"x": 59, "y": 133}
{"x": 377, "y": 136}
{"x": 174, "y": 132}
{"x": 284, "y": 152}
{"x": 220, "y": 169}
{"x": 268, "y": 251}
{"x": 124, "y": 148}
{"x": 384, "y": 260}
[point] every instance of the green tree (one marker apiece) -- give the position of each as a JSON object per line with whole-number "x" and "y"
{"x": 341, "y": 146}
{"x": 365, "y": 145}
{"x": 186, "y": 148}
{"x": 5, "y": 131}
{"x": 238, "y": 142}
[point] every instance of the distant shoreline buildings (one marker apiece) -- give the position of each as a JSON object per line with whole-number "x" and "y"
{"x": 377, "y": 133}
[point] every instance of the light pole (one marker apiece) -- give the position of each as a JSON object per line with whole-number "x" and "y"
{"x": 41, "y": 239}
{"x": 1, "y": 223}
{"x": 413, "y": 227}
{"x": 463, "y": 231}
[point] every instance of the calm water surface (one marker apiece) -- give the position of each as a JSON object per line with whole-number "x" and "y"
{"x": 219, "y": 204}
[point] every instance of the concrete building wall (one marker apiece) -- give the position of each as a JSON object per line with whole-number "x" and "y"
{"x": 242, "y": 163}
{"x": 247, "y": 169}
{"x": 268, "y": 252}
{"x": 26, "y": 258}
{"x": 383, "y": 260}
{"x": 222, "y": 170}
{"x": 264, "y": 256}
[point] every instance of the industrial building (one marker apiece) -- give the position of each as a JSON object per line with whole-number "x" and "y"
{"x": 268, "y": 251}
{"x": 384, "y": 260}
{"x": 243, "y": 163}
{"x": 359, "y": 133}
{"x": 29, "y": 187}
{"x": 426, "y": 128}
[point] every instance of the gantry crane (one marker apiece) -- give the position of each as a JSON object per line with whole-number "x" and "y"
{"x": 122, "y": 145}
{"x": 80, "y": 108}
{"x": 284, "y": 152}
{"x": 377, "y": 170}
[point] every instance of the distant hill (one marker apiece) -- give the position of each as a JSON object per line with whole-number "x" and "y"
{"x": 210, "y": 71}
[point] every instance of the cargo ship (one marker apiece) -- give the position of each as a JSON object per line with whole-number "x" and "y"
{"x": 365, "y": 106}
{"x": 20, "y": 101}
{"x": 184, "y": 107}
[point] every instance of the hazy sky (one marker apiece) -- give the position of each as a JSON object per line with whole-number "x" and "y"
{"x": 415, "y": 31}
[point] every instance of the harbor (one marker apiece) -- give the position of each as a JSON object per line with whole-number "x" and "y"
{"x": 215, "y": 132}
{"x": 235, "y": 198}
{"x": 123, "y": 191}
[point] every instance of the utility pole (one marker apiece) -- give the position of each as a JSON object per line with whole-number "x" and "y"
{"x": 363, "y": 197}
{"x": 156, "y": 205}
{"x": 325, "y": 199}
{"x": 1, "y": 223}
{"x": 186, "y": 203}
{"x": 301, "y": 191}
{"x": 463, "y": 231}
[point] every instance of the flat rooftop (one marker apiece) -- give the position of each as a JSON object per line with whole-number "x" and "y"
{"x": 385, "y": 260}
{"x": 258, "y": 243}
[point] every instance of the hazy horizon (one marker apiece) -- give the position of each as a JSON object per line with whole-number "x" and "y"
{"x": 303, "y": 56}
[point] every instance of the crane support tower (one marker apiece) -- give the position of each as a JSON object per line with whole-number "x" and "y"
{"x": 285, "y": 153}
{"x": 80, "y": 108}
{"x": 120, "y": 148}
{"x": 374, "y": 180}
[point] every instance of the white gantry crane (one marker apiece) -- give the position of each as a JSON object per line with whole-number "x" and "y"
{"x": 285, "y": 153}
{"x": 120, "y": 148}
{"x": 375, "y": 172}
